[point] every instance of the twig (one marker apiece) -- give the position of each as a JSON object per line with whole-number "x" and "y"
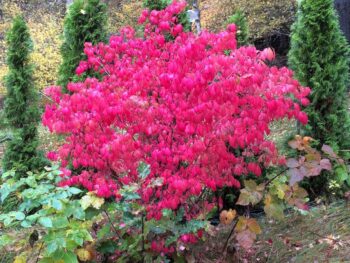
{"x": 229, "y": 237}
{"x": 273, "y": 178}
{"x": 112, "y": 225}
{"x": 41, "y": 247}
{"x": 330, "y": 238}
{"x": 198, "y": 20}
{"x": 143, "y": 237}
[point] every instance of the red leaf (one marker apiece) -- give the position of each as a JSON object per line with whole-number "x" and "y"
{"x": 326, "y": 164}
{"x": 295, "y": 176}
{"x": 328, "y": 150}
{"x": 292, "y": 163}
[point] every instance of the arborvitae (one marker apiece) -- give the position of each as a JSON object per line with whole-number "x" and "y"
{"x": 21, "y": 109}
{"x": 240, "y": 20}
{"x": 86, "y": 21}
{"x": 319, "y": 56}
{"x": 162, "y": 4}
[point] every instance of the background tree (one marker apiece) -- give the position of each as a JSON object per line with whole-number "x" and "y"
{"x": 319, "y": 56}
{"x": 21, "y": 109}
{"x": 240, "y": 20}
{"x": 86, "y": 21}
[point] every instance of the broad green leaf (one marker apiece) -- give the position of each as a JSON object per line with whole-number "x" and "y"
{"x": 26, "y": 224}
{"x": 5, "y": 191}
{"x": 8, "y": 220}
{"x": 60, "y": 222}
{"x": 57, "y": 204}
{"x": 74, "y": 190}
{"x": 167, "y": 212}
{"x": 20, "y": 216}
{"x": 107, "y": 246}
{"x": 45, "y": 222}
{"x": 66, "y": 257}
{"x": 31, "y": 182}
{"x": 33, "y": 217}
{"x": 128, "y": 196}
{"x": 51, "y": 247}
{"x": 341, "y": 174}
{"x": 6, "y": 174}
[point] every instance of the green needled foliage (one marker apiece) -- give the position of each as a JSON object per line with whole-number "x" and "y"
{"x": 86, "y": 21}
{"x": 162, "y": 4}
{"x": 240, "y": 20}
{"x": 319, "y": 56}
{"x": 21, "y": 109}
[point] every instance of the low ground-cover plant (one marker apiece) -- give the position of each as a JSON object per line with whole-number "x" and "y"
{"x": 64, "y": 223}
{"x": 320, "y": 165}
{"x": 54, "y": 215}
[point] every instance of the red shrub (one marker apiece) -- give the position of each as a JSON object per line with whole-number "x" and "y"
{"x": 195, "y": 109}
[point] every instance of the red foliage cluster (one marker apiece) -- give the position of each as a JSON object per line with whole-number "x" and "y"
{"x": 196, "y": 109}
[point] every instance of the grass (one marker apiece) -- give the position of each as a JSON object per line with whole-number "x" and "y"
{"x": 321, "y": 236}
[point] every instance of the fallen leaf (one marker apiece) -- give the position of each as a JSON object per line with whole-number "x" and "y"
{"x": 226, "y": 217}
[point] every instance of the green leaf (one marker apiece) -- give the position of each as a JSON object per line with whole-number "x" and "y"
{"x": 74, "y": 190}
{"x": 66, "y": 257}
{"x": 26, "y": 224}
{"x": 10, "y": 173}
{"x": 57, "y": 204}
{"x": 60, "y": 222}
{"x": 8, "y": 220}
{"x": 51, "y": 247}
{"x": 341, "y": 174}
{"x": 143, "y": 170}
{"x": 107, "y": 247}
{"x": 20, "y": 216}
{"x": 45, "y": 222}
{"x": 5, "y": 191}
{"x": 31, "y": 182}
{"x": 167, "y": 212}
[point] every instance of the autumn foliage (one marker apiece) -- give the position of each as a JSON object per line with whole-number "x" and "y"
{"x": 196, "y": 115}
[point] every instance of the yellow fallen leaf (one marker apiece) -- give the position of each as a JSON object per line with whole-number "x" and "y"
{"x": 83, "y": 254}
{"x": 20, "y": 259}
{"x": 226, "y": 217}
{"x": 253, "y": 226}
